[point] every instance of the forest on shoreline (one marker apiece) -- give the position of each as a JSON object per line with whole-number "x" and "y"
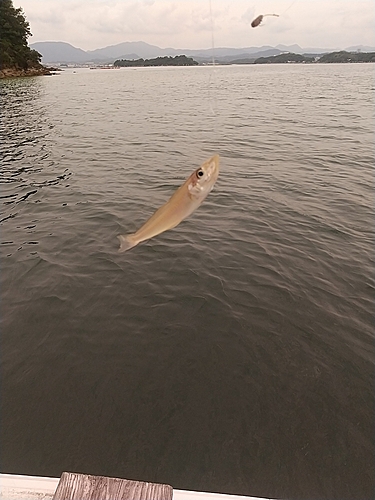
{"x": 16, "y": 57}
{"x": 332, "y": 57}
{"x": 157, "y": 61}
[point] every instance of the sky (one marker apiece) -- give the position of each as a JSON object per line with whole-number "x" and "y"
{"x": 193, "y": 24}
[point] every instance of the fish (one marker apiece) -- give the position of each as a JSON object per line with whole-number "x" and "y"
{"x": 259, "y": 19}
{"x": 182, "y": 203}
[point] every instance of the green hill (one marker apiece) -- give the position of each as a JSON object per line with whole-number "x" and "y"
{"x": 284, "y": 58}
{"x": 347, "y": 57}
{"x": 157, "y": 61}
{"x": 332, "y": 57}
{"x": 16, "y": 57}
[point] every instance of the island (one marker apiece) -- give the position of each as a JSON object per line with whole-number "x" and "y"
{"x": 332, "y": 57}
{"x": 347, "y": 57}
{"x": 157, "y": 61}
{"x": 16, "y": 57}
{"x": 285, "y": 58}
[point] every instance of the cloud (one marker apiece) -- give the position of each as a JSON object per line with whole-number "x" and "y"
{"x": 91, "y": 24}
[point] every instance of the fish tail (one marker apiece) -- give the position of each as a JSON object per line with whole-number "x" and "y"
{"x": 126, "y": 242}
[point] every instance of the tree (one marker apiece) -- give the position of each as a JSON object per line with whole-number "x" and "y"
{"x": 14, "y": 32}
{"x": 158, "y": 61}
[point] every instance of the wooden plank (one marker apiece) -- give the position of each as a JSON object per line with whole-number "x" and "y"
{"x": 74, "y": 486}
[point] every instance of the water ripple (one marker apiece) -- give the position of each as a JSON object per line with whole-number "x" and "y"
{"x": 243, "y": 337}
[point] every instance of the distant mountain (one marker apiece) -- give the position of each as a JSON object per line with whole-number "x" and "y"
{"x": 296, "y": 49}
{"x": 226, "y": 51}
{"x": 61, "y": 52}
{"x": 141, "y": 49}
{"x": 360, "y": 48}
{"x": 241, "y": 57}
{"x": 290, "y": 48}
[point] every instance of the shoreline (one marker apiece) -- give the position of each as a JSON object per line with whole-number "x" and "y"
{"x": 34, "y": 71}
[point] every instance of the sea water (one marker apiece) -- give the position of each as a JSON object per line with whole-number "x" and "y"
{"x": 234, "y": 353}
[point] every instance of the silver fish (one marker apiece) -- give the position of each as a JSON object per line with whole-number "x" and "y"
{"x": 185, "y": 200}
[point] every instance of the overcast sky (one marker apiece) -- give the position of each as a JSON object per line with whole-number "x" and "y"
{"x": 92, "y": 24}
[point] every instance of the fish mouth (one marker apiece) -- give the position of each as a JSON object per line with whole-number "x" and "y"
{"x": 212, "y": 168}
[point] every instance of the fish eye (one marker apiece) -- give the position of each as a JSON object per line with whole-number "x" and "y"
{"x": 200, "y": 173}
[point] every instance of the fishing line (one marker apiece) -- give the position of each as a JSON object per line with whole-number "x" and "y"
{"x": 291, "y": 5}
{"x": 212, "y": 34}
{"x": 258, "y": 20}
{"x": 212, "y": 76}
{"x": 286, "y": 10}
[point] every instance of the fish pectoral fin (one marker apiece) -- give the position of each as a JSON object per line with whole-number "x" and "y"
{"x": 127, "y": 241}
